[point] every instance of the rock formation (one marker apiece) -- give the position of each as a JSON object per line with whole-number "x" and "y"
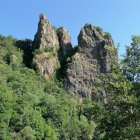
{"x": 51, "y": 47}
{"x": 46, "y": 45}
{"x": 94, "y": 56}
{"x": 65, "y": 42}
{"x": 46, "y": 35}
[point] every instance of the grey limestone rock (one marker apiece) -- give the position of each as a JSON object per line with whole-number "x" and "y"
{"x": 92, "y": 59}
{"x": 93, "y": 56}
{"x": 46, "y": 45}
{"x": 65, "y": 42}
{"x": 46, "y": 34}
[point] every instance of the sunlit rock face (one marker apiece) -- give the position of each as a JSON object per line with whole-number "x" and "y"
{"x": 46, "y": 35}
{"x": 91, "y": 60}
{"x": 81, "y": 66}
{"x": 46, "y": 45}
{"x": 64, "y": 42}
{"x": 51, "y": 47}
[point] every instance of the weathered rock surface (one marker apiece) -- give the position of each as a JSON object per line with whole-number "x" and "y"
{"x": 65, "y": 42}
{"x": 45, "y": 64}
{"x": 46, "y": 35}
{"x": 94, "y": 56}
{"x": 46, "y": 45}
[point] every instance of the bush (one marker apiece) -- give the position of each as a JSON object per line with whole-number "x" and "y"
{"x": 107, "y": 35}
{"x": 99, "y": 29}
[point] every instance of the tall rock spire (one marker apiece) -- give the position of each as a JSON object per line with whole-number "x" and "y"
{"x": 46, "y": 34}
{"x": 64, "y": 41}
{"x": 46, "y": 45}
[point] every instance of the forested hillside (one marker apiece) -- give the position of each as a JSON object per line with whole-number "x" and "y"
{"x": 35, "y": 107}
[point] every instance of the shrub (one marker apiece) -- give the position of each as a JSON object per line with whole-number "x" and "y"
{"x": 99, "y": 29}
{"x": 107, "y": 35}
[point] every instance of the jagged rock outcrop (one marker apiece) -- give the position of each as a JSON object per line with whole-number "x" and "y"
{"x": 65, "y": 43}
{"x": 94, "y": 56}
{"x": 51, "y": 47}
{"x": 97, "y": 44}
{"x": 46, "y": 35}
{"x": 46, "y": 45}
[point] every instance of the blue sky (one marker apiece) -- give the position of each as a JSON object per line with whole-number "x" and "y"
{"x": 119, "y": 17}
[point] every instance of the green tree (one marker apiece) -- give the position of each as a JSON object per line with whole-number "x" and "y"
{"x": 131, "y": 60}
{"x": 119, "y": 117}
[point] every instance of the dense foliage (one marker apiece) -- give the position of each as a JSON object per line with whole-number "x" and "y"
{"x": 32, "y": 107}
{"x": 120, "y": 116}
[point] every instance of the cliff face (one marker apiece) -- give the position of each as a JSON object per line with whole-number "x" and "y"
{"x": 93, "y": 56}
{"x": 46, "y": 35}
{"x": 65, "y": 43}
{"x": 46, "y": 45}
{"x": 96, "y": 44}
